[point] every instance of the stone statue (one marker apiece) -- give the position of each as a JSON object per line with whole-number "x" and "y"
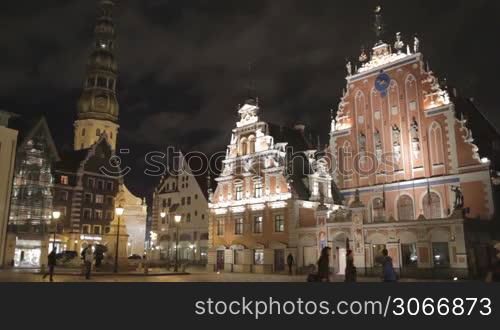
{"x": 378, "y": 145}
{"x": 362, "y": 142}
{"x": 399, "y": 44}
{"x": 349, "y": 68}
{"x": 459, "y": 197}
{"x": 396, "y": 142}
{"x": 416, "y": 44}
{"x": 414, "y": 130}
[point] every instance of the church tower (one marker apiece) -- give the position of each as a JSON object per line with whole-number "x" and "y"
{"x": 98, "y": 106}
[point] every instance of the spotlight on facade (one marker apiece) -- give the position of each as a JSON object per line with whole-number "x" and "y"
{"x": 485, "y": 160}
{"x": 56, "y": 215}
{"x": 455, "y": 278}
{"x": 178, "y": 218}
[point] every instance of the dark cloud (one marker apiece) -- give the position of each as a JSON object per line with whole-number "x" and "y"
{"x": 183, "y": 64}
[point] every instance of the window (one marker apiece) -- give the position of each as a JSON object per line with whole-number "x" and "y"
{"x": 167, "y": 188}
{"x": 440, "y": 254}
{"x": 99, "y": 199}
{"x": 109, "y": 200}
{"x": 251, "y": 144}
{"x": 100, "y": 185}
{"x": 91, "y": 182}
{"x": 64, "y": 179}
{"x": 63, "y": 195}
{"x": 164, "y": 203}
{"x": 169, "y": 202}
{"x": 163, "y": 220}
{"x": 97, "y": 230}
{"x": 98, "y": 215}
{"x": 83, "y": 132}
{"x": 109, "y": 215}
{"x": 238, "y": 226}
{"x": 220, "y": 227}
{"x": 436, "y": 144}
{"x": 189, "y": 200}
{"x": 101, "y": 82}
{"x": 195, "y": 213}
{"x": 243, "y": 147}
{"x": 86, "y": 229}
{"x": 107, "y": 229}
{"x": 86, "y": 214}
{"x": 279, "y": 223}
{"x": 257, "y": 189}
{"x": 409, "y": 255}
{"x": 257, "y": 224}
{"x": 432, "y": 206}
{"x": 195, "y": 196}
{"x": 238, "y": 257}
{"x": 239, "y": 192}
{"x": 188, "y": 217}
{"x": 109, "y": 186}
{"x": 183, "y": 200}
{"x": 405, "y": 208}
{"x": 187, "y": 184}
{"x": 258, "y": 257}
{"x": 202, "y": 217}
{"x": 88, "y": 198}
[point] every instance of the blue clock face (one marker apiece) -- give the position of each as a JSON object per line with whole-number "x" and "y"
{"x": 382, "y": 83}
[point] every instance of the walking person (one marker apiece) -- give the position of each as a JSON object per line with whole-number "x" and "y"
{"x": 88, "y": 259}
{"x": 324, "y": 265}
{"x": 51, "y": 262}
{"x": 290, "y": 261}
{"x": 387, "y": 267}
{"x": 350, "y": 269}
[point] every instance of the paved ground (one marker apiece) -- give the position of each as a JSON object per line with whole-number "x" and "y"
{"x": 197, "y": 276}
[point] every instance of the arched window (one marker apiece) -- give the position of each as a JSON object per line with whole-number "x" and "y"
{"x": 436, "y": 144}
{"x": 98, "y": 132}
{"x": 405, "y": 208}
{"x": 432, "y": 206}
{"x": 378, "y": 210}
{"x": 243, "y": 147}
{"x": 251, "y": 144}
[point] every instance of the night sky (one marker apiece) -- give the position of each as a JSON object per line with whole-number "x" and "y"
{"x": 184, "y": 64}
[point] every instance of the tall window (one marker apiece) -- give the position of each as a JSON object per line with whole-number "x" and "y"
{"x": 405, "y": 208}
{"x": 189, "y": 200}
{"x": 238, "y": 226}
{"x": 243, "y": 147}
{"x": 279, "y": 223}
{"x": 220, "y": 227}
{"x": 90, "y": 182}
{"x": 99, "y": 199}
{"x": 251, "y": 144}
{"x": 258, "y": 257}
{"x": 257, "y": 224}
{"x": 98, "y": 215}
{"x": 83, "y": 132}
{"x": 86, "y": 214}
{"x": 432, "y": 206}
{"x": 183, "y": 200}
{"x": 188, "y": 217}
{"x": 257, "y": 189}
{"x": 239, "y": 192}
{"x": 440, "y": 254}
{"x": 100, "y": 185}
{"x": 436, "y": 144}
{"x": 409, "y": 255}
{"x": 64, "y": 179}
{"x": 378, "y": 210}
{"x": 88, "y": 198}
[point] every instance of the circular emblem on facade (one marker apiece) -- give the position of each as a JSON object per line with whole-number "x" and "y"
{"x": 382, "y": 83}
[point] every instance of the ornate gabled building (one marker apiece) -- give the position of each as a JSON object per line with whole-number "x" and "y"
{"x": 181, "y": 193}
{"x": 266, "y": 197}
{"x": 31, "y": 199}
{"x": 408, "y": 165}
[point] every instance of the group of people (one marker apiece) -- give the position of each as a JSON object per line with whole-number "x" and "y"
{"x": 323, "y": 274}
{"x": 87, "y": 256}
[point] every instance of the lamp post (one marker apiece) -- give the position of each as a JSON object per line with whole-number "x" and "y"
{"x": 55, "y": 216}
{"x": 119, "y": 211}
{"x": 177, "y": 220}
{"x": 163, "y": 214}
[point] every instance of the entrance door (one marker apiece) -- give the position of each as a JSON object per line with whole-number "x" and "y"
{"x": 310, "y": 256}
{"x": 279, "y": 260}
{"x": 342, "y": 261}
{"x": 220, "y": 259}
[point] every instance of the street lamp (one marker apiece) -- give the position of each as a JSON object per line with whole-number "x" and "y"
{"x": 177, "y": 220}
{"x": 55, "y": 216}
{"x": 119, "y": 211}
{"x": 163, "y": 214}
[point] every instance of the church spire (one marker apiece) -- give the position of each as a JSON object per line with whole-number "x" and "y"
{"x": 98, "y": 105}
{"x": 98, "y": 100}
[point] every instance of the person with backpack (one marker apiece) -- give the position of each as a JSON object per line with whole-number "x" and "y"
{"x": 350, "y": 269}
{"x": 324, "y": 265}
{"x": 289, "y": 261}
{"x": 51, "y": 262}
{"x": 389, "y": 274}
{"x": 88, "y": 258}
